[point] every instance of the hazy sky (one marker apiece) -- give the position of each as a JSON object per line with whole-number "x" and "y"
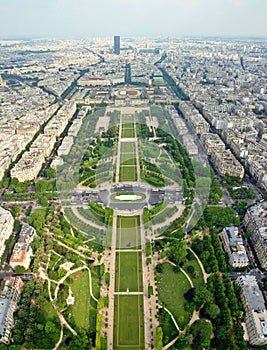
{"x": 83, "y": 18}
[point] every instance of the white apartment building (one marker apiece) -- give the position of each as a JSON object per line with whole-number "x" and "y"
{"x": 88, "y": 81}
{"x": 255, "y": 222}
{"x": 22, "y": 251}
{"x": 234, "y": 246}
{"x": 226, "y": 163}
{"x": 44, "y": 144}
{"x": 65, "y": 146}
{"x": 28, "y": 166}
{"x": 6, "y": 228}
{"x": 212, "y": 142}
{"x": 256, "y": 313}
{"x": 9, "y": 297}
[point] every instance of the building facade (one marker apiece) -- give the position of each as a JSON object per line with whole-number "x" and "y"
{"x": 234, "y": 246}
{"x": 9, "y": 297}
{"x": 226, "y": 163}
{"x": 22, "y": 251}
{"x": 256, "y": 313}
{"x": 6, "y": 228}
{"x": 255, "y": 222}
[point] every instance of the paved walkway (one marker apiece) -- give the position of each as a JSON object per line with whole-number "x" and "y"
{"x": 205, "y": 274}
{"x": 128, "y": 293}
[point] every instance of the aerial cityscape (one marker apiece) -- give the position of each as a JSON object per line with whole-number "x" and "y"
{"x": 133, "y": 177}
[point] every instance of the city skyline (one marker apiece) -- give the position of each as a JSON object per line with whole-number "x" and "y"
{"x": 64, "y": 18}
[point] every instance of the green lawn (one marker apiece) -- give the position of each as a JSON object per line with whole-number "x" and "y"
{"x": 171, "y": 288}
{"x": 128, "y": 173}
{"x": 47, "y": 313}
{"x": 127, "y": 147}
{"x": 128, "y": 322}
{"x": 81, "y": 310}
{"x": 127, "y": 159}
{"x": 128, "y": 276}
{"x": 127, "y": 132}
{"x": 128, "y": 232}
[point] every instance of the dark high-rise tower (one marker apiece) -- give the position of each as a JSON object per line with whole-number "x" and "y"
{"x": 128, "y": 75}
{"x": 117, "y": 44}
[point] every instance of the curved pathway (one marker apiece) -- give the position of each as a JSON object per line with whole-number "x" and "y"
{"x": 205, "y": 274}
{"x": 173, "y": 319}
{"x": 171, "y": 343}
{"x": 63, "y": 322}
{"x": 60, "y": 338}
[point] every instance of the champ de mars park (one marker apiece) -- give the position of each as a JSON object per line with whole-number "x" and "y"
{"x": 129, "y": 256}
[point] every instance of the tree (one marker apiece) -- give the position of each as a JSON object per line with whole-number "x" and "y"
{"x": 190, "y": 269}
{"x": 184, "y": 341}
{"x": 37, "y": 219}
{"x": 211, "y": 310}
{"x": 19, "y": 269}
{"x": 50, "y": 173}
{"x": 50, "y": 327}
{"x": 202, "y": 332}
{"x": 81, "y": 341}
{"x": 15, "y": 210}
{"x": 201, "y": 296}
{"x": 178, "y": 252}
{"x": 159, "y": 268}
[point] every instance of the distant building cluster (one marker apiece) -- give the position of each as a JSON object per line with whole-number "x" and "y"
{"x": 227, "y": 85}
{"x": 68, "y": 141}
{"x": 15, "y": 135}
{"x": 29, "y": 166}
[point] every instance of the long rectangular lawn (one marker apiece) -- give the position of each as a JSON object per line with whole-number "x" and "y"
{"x": 127, "y": 147}
{"x": 128, "y": 322}
{"x": 128, "y": 173}
{"x": 128, "y": 276}
{"x": 128, "y": 232}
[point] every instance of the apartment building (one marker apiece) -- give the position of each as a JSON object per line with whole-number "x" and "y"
{"x": 255, "y": 222}
{"x": 44, "y": 144}
{"x": 258, "y": 169}
{"x": 190, "y": 145}
{"x": 226, "y": 163}
{"x": 234, "y": 246}
{"x": 9, "y": 297}
{"x": 212, "y": 143}
{"x": 194, "y": 118}
{"x": 65, "y": 146}
{"x": 22, "y": 251}
{"x": 89, "y": 81}
{"x": 256, "y": 313}
{"x": 6, "y": 228}
{"x": 28, "y": 166}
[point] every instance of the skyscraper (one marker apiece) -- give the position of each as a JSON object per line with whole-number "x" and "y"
{"x": 117, "y": 44}
{"x": 128, "y": 75}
